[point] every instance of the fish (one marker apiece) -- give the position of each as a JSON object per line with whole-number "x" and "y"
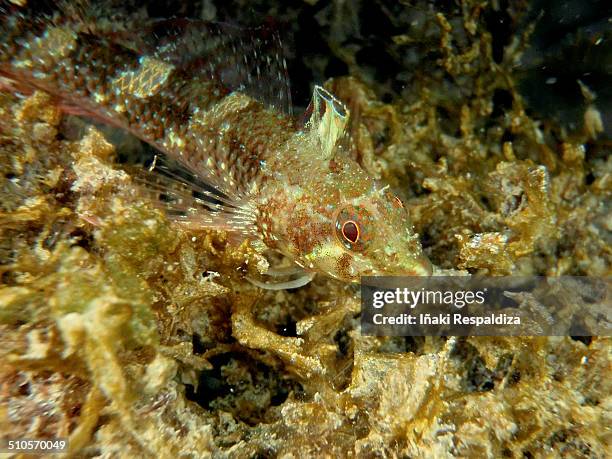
{"x": 214, "y": 102}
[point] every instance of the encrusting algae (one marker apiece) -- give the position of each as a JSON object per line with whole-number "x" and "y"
{"x": 132, "y": 335}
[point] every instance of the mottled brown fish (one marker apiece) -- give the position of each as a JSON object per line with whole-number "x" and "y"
{"x": 227, "y": 160}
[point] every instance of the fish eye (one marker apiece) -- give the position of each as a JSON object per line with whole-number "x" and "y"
{"x": 350, "y": 231}
{"x": 354, "y": 225}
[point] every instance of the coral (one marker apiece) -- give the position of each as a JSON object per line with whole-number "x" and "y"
{"x": 133, "y": 336}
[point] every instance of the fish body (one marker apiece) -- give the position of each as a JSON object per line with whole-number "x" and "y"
{"x": 229, "y": 160}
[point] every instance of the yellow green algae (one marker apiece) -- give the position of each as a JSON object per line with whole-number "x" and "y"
{"x": 132, "y": 336}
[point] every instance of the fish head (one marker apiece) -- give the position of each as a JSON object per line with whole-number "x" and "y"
{"x": 347, "y": 225}
{"x": 368, "y": 235}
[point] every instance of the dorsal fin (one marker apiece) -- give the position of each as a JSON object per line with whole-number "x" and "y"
{"x": 175, "y": 87}
{"x": 249, "y": 60}
{"x": 328, "y": 120}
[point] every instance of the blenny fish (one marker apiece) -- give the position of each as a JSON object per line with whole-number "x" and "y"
{"x": 213, "y": 102}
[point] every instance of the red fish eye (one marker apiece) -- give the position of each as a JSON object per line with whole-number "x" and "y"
{"x": 350, "y": 231}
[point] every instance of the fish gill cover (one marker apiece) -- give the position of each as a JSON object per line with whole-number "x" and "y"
{"x": 130, "y": 334}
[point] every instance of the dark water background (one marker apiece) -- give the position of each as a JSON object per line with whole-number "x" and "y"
{"x": 572, "y": 41}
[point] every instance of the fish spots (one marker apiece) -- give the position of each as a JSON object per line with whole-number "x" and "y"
{"x": 265, "y": 226}
{"x": 58, "y": 42}
{"x": 174, "y": 139}
{"x": 100, "y": 97}
{"x": 146, "y": 80}
{"x": 344, "y": 266}
{"x": 306, "y": 230}
{"x": 53, "y": 45}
